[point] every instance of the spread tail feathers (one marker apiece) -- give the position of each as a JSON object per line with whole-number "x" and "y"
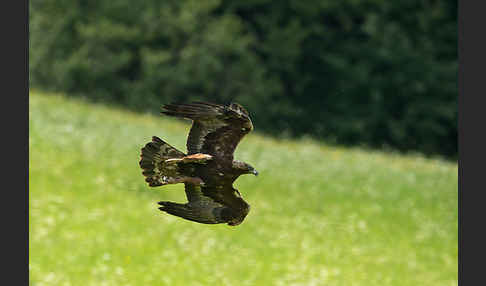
{"x": 152, "y": 161}
{"x": 160, "y": 163}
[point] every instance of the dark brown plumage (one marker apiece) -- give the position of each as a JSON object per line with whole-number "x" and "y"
{"x": 208, "y": 170}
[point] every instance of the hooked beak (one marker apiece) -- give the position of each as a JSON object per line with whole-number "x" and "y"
{"x": 255, "y": 172}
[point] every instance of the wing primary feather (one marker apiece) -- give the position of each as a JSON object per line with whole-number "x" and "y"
{"x": 191, "y": 111}
{"x": 188, "y": 212}
{"x": 209, "y": 104}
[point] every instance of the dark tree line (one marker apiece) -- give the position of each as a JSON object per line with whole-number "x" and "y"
{"x": 378, "y": 73}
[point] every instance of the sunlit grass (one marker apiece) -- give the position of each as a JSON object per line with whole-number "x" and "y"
{"x": 320, "y": 215}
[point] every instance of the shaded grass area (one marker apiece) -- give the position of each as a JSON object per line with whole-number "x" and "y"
{"x": 320, "y": 215}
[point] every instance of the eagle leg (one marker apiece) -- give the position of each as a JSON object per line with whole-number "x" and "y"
{"x": 194, "y": 158}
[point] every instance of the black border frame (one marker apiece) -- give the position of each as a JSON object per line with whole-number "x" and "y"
{"x": 14, "y": 28}
{"x": 471, "y": 142}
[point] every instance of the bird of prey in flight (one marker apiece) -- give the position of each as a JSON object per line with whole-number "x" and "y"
{"x": 208, "y": 170}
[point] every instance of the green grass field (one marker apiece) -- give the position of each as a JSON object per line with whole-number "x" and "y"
{"x": 320, "y": 215}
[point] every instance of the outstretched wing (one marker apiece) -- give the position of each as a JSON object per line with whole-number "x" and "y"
{"x": 216, "y": 129}
{"x": 200, "y": 208}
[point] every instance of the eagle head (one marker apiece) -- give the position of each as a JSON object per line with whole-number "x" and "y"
{"x": 244, "y": 168}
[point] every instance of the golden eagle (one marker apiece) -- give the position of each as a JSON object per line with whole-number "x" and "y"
{"x": 208, "y": 170}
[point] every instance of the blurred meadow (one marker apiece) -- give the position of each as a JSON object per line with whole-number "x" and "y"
{"x": 321, "y": 215}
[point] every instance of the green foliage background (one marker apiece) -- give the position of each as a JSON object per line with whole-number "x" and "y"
{"x": 372, "y": 72}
